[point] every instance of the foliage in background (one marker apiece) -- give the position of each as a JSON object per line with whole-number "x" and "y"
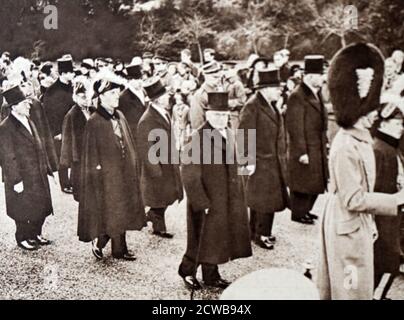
{"x": 235, "y": 28}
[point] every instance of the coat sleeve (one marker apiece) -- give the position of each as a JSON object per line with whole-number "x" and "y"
{"x": 295, "y": 124}
{"x": 194, "y": 187}
{"x": 351, "y": 192}
{"x": 145, "y": 142}
{"x": 66, "y": 157}
{"x": 248, "y": 121}
{"x": 9, "y": 161}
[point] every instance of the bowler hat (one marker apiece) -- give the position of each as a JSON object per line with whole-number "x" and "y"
{"x": 218, "y": 101}
{"x": 211, "y": 68}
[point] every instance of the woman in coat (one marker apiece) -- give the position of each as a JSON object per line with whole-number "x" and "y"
{"x": 348, "y": 229}
{"x": 25, "y": 168}
{"x": 110, "y": 201}
{"x": 266, "y": 188}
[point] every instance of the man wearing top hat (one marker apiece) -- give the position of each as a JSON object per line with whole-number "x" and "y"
{"x": 25, "y": 170}
{"x": 212, "y": 73}
{"x": 266, "y": 188}
{"x": 306, "y": 124}
{"x": 110, "y": 199}
{"x": 217, "y": 217}
{"x": 132, "y": 102}
{"x": 57, "y": 101}
{"x": 160, "y": 182}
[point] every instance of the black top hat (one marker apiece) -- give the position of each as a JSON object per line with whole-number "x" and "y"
{"x": 260, "y": 59}
{"x": 314, "y": 64}
{"x": 268, "y": 78}
{"x": 218, "y": 101}
{"x": 47, "y": 68}
{"x": 154, "y": 88}
{"x": 13, "y": 96}
{"x": 65, "y": 65}
{"x": 134, "y": 71}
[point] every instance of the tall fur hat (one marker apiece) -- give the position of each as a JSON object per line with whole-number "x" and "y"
{"x": 355, "y": 81}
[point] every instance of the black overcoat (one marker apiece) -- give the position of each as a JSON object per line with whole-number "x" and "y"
{"x": 110, "y": 201}
{"x": 24, "y": 159}
{"x": 218, "y": 188}
{"x": 306, "y": 124}
{"x": 266, "y": 189}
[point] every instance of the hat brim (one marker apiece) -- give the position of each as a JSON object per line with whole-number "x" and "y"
{"x": 261, "y": 86}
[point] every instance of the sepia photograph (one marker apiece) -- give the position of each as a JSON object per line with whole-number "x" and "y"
{"x": 210, "y": 151}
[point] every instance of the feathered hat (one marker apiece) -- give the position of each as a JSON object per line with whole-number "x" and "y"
{"x": 355, "y": 81}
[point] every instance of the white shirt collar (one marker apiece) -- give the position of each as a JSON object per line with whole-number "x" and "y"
{"x": 314, "y": 90}
{"x": 163, "y": 112}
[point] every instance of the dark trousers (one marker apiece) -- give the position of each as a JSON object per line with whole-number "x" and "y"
{"x": 63, "y": 172}
{"x": 261, "y": 223}
{"x": 210, "y": 272}
{"x": 28, "y": 230}
{"x": 157, "y": 217}
{"x": 118, "y": 244}
{"x": 301, "y": 204}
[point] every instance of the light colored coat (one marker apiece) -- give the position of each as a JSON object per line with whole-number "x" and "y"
{"x": 348, "y": 229}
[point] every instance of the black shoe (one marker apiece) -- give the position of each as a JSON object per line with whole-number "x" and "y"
{"x": 191, "y": 283}
{"x": 97, "y": 252}
{"x": 42, "y": 241}
{"x": 68, "y": 190}
{"x": 27, "y": 246}
{"x": 264, "y": 243}
{"x": 126, "y": 257}
{"x": 219, "y": 283}
{"x": 304, "y": 220}
{"x": 164, "y": 235}
{"x": 312, "y": 216}
{"x": 272, "y": 239}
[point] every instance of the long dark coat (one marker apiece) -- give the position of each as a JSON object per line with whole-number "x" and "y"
{"x": 57, "y": 101}
{"x": 40, "y": 119}
{"x": 110, "y": 200}
{"x": 160, "y": 183}
{"x": 24, "y": 159}
{"x": 266, "y": 189}
{"x": 387, "y": 246}
{"x": 306, "y": 124}
{"x": 72, "y": 145}
{"x": 132, "y": 108}
{"x": 219, "y": 188}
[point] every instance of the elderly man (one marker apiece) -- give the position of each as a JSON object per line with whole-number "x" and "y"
{"x": 25, "y": 168}
{"x": 160, "y": 178}
{"x": 306, "y": 124}
{"x": 110, "y": 198}
{"x": 266, "y": 189}
{"x": 217, "y": 217}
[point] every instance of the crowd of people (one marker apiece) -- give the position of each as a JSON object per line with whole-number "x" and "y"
{"x": 94, "y": 123}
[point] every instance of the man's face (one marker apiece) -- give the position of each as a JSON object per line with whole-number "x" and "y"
{"x": 159, "y": 65}
{"x": 67, "y": 77}
{"x": 82, "y": 100}
{"x": 316, "y": 80}
{"x": 23, "y": 108}
{"x": 110, "y": 99}
{"x": 278, "y": 60}
{"x": 390, "y": 68}
{"x": 164, "y": 101}
{"x": 27, "y": 89}
{"x": 208, "y": 56}
{"x": 218, "y": 119}
{"x": 393, "y": 127}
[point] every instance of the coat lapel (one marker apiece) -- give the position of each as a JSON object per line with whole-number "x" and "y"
{"x": 316, "y": 103}
{"x": 160, "y": 118}
{"x": 267, "y": 109}
{"x": 21, "y": 129}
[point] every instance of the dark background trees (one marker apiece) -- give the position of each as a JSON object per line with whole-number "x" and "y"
{"x": 236, "y": 28}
